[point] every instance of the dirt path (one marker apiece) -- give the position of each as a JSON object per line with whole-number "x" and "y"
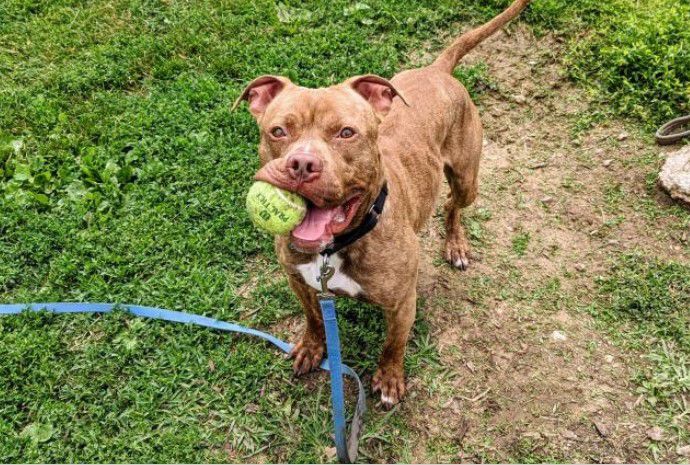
{"x": 529, "y": 377}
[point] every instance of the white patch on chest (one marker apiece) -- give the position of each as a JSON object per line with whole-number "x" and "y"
{"x": 340, "y": 281}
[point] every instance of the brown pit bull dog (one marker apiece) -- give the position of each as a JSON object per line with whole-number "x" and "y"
{"x": 342, "y": 148}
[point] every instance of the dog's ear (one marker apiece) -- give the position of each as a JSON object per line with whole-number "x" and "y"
{"x": 376, "y": 90}
{"x": 260, "y": 92}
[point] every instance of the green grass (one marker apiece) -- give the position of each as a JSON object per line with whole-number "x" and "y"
{"x": 632, "y": 54}
{"x": 645, "y": 303}
{"x": 638, "y": 60}
{"x": 566, "y": 17}
{"x": 520, "y": 242}
{"x": 121, "y": 389}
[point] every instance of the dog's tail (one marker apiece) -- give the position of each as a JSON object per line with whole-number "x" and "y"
{"x": 450, "y": 57}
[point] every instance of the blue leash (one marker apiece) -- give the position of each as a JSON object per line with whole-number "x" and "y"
{"x": 346, "y": 448}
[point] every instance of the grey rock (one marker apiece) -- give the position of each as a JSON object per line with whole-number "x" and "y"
{"x": 675, "y": 174}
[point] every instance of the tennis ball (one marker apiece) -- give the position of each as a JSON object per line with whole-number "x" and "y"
{"x": 275, "y": 210}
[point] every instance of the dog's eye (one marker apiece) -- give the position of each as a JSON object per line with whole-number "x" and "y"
{"x": 278, "y": 132}
{"x": 346, "y": 133}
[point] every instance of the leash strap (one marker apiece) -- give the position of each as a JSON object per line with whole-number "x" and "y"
{"x": 346, "y": 453}
{"x": 367, "y": 224}
{"x": 337, "y": 398}
{"x": 665, "y": 135}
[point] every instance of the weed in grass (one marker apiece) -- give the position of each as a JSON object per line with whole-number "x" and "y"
{"x": 587, "y": 120}
{"x": 473, "y": 222}
{"x": 520, "y": 242}
{"x": 529, "y": 451}
{"x": 476, "y": 79}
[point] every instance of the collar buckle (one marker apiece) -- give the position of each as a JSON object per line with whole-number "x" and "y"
{"x": 326, "y": 273}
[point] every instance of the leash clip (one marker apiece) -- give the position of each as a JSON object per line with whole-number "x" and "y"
{"x": 326, "y": 273}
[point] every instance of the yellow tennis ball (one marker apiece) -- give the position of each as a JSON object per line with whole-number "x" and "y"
{"x": 275, "y": 210}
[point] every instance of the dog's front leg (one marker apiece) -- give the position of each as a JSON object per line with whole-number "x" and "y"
{"x": 308, "y": 352}
{"x": 390, "y": 376}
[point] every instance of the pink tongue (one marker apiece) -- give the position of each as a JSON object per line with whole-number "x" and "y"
{"x": 313, "y": 226}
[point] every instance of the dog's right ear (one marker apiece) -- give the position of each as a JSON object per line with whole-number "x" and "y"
{"x": 260, "y": 92}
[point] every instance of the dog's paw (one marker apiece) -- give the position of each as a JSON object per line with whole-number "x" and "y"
{"x": 457, "y": 253}
{"x": 390, "y": 382}
{"x": 307, "y": 355}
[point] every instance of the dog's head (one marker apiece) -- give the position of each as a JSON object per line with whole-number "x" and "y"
{"x": 322, "y": 144}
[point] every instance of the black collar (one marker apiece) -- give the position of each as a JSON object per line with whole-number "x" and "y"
{"x": 367, "y": 224}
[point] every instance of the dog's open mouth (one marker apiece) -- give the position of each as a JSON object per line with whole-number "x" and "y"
{"x": 321, "y": 224}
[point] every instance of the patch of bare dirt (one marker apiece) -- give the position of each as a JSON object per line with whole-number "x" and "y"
{"x": 530, "y": 378}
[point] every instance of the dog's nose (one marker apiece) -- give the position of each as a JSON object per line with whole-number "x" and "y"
{"x": 304, "y": 166}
